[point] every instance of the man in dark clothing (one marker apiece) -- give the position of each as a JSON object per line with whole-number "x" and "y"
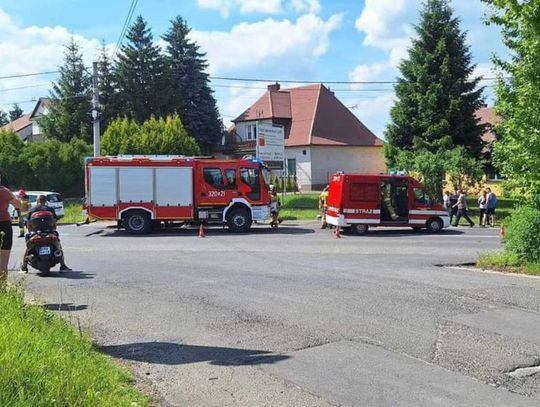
{"x": 42, "y": 207}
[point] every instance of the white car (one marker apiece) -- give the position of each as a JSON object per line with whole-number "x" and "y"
{"x": 54, "y": 201}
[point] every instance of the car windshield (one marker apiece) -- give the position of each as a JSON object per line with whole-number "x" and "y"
{"x": 54, "y": 198}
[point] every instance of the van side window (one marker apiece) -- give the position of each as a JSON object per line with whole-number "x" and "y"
{"x": 364, "y": 192}
{"x": 230, "y": 176}
{"x": 212, "y": 176}
{"x": 419, "y": 195}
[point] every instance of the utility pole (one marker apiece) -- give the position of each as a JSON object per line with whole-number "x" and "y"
{"x": 95, "y": 111}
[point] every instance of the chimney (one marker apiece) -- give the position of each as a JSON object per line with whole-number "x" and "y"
{"x": 274, "y": 87}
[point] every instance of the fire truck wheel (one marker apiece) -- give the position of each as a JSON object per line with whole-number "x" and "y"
{"x": 434, "y": 225}
{"x": 359, "y": 229}
{"x": 239, "y": 220}
{"x": 137, "y": 222}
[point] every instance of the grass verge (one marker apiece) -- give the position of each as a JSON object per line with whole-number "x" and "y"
{"x": 46, "y": 362}
{"x": 72, "y": 213}
{"x": 507, "y": 263}
{"x": 300, "y": 206}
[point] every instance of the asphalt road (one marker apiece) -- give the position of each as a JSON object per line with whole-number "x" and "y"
{"x": 295, "y": 317}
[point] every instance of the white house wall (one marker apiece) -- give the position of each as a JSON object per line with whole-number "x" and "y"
{"x": 303, "y": 165}
{"x": 326, "y": 160}
{"x": 241, "y": 128}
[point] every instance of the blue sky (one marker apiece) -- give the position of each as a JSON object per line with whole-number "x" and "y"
{"x": 320, "y": 40}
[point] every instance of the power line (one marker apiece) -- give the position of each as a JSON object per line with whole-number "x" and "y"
{"x": 126, "y": 24}
{"x": 232, "y": 79}
{"x": 26, "y": 87}
{"x": 23, "y": 75}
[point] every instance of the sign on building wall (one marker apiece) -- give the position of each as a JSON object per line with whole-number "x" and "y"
{"x": 271, "y": 143}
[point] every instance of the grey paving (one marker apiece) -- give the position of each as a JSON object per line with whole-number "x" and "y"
{"x": 367, "y": 375}
{"x": 206, "y": 320}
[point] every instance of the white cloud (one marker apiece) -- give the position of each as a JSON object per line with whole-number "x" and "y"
{"x": 387, "y": 25}
{"x": 34, "y": 49}
{"x": 268, "y": 41}
{"x": 306, "y": 6}
{"x": 260, "y": 6}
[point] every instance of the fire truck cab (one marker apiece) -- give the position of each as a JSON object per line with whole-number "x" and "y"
{"x": 141, "y": 191}
{"x": 360, "y": 201}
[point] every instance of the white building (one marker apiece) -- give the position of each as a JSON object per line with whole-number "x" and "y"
{"x": 322, "y": 136}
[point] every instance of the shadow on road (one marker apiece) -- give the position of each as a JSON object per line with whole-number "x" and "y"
{"x": 68, "y": 306}
{"x": 404, "y": 232}
{"x": 167, "y": 353}
{"x": 70, "y": 275}
{"x": 214, "y": 231}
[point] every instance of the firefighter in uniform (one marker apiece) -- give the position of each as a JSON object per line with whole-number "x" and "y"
{"x": 323, "y": 205}
{"x": 23, "y": 211}
{"x": 274, "y": 207}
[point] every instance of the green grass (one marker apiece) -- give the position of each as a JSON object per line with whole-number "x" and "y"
{"x": 300, "y": 206}
{"x": 46, "y": 362}
{"x": 507, "y": 263}
{"x": 72, "y": 212}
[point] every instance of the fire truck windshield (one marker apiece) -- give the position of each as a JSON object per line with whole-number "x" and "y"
{"x": 266, "y": 175}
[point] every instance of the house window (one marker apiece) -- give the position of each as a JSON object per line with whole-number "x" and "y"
{"x": 251, "y": 131}
{"x": 291, "y": 166}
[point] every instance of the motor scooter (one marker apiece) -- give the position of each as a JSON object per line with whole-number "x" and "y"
{"x": 41, "y": 243}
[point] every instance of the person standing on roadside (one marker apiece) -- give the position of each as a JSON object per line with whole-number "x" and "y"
{"x": 323, "y": 204}
{"x": 482, "y": 204}
{"x": 446, "y": 201}
{"x": 22, "y": 212}
{"x": 462, "y": 209}
{"x": 489, "y": 217}
{"x": 452, "y": 201}
{"x": 6, "y": 230}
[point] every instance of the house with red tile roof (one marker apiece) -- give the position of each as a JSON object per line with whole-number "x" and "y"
{"x": 321, "y": 134}
{"x": 27, "y": 126}
{"x": 22, "y": 126}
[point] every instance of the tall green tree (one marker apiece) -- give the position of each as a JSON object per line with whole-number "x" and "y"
{"x": 192, "y": 96}
{"x": 141, "y": 75}
{"x": 517, "y": 153}
{"x": 108, "y": 94}
{"x": 15, "y": 112}
{"x": 3, "y": 118}
{"x": 437, "y": 95}
{"x": 69, "y": 115}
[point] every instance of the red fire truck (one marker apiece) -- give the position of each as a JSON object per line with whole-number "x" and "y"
{"x": 141, "y": 191}
{"x": 359, "y": 201}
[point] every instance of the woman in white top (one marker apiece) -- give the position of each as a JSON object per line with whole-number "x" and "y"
{"x": 482, "y": 203}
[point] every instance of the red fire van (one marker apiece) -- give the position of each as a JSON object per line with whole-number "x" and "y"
{"x": 358, "y": 201}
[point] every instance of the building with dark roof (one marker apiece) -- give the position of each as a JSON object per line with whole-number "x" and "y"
{"x": 321, "y": 134}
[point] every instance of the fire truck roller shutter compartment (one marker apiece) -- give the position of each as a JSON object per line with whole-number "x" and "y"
{"x": 136, "y": 184}
{"x": 103, "y": 186}
{"x": 174, "y": 186}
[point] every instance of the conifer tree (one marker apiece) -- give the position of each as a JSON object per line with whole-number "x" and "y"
{"x": 69, "y": 115}
{"x": 141, "y": 75}
{"x": 3, "y": 118}
{"x": 15, "y": 112}
{"x": 437, "y": 99}
{"x": 108, "y": 95}
{"x": 192, "y": 96}
{"x": 437, "y": 96}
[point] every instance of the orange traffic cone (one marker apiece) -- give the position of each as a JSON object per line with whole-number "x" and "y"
{"x": 502, "y": 230}
{"x": 337, "y": 232}
{"x": 201, "y": 231}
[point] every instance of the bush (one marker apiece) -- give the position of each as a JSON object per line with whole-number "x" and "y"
{"x": 523, "y": 236}
{"x": 154, "y": 136}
